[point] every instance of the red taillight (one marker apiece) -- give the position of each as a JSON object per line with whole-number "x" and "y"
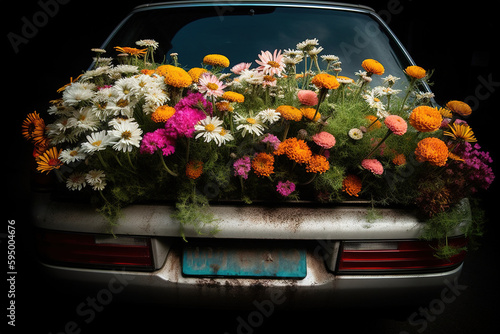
{"x": 79, "y": 249}
{"x": 396, "y": 255}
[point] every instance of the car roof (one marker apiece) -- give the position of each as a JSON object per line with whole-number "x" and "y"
{"x": 293, "y": 3}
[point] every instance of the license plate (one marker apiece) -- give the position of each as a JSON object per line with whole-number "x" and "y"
{"x": 244, "y": 261}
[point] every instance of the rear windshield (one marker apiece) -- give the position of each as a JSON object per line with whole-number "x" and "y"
{"x": 242, "y": 32}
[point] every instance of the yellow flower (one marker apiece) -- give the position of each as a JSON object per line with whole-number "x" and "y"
{"x": 459, "y": 107}
{"x": 416, "y": 72}
{"x": 373, "y": 66}
{"x": 461, "y": 132}
{"x": 162, "y": 114}
{"x": 216, "y": 60}
{"x": 175, "y": 76}
{"x": 309, "y": 114}
{"x": 290, "y": 113}
{"x": 233, "y": 97}
{"x": 196, "y": 72}
{"x": 324, "y": 80}
{"x": 49, "y": 160}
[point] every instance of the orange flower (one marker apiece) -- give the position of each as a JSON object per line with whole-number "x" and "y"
{"x": 162, "y": 114}
{"x": 317, "y": 164}
{"x": 29, "y": 125}
{"x": 132, "y": 51}
{"x": 147, "y": 72}
{"x": 216, "y": 60}
{"x": 416, "y": 72}
{"x": 49, "y": 160}
{"x": 196, "y": 72}
{"x": 459, "y": 107}
{"x": 425, "y": 119}
{"x": 263, "y": 164}
{"x": 290, "y": 113}
{"x": 295, "y": 149}
{"x": 373, "y": 66}
{"x": 351, "y": 185}
{"x": 224, "y": 106}
{"x": 175, "y": 76}
{"x": 399, "y": 160}
{"x": 374, "y": 123}
{"x": 309, "y": 114}
{"x": 433, "y": 150}
{"x": 233, "y": 97}
{"x": 324, "y": 80}
{"x": 194, "y": 169}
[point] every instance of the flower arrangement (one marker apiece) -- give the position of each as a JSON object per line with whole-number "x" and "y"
{"x": 139, "y": 131}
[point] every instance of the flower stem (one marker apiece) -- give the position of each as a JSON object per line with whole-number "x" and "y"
{"x": 410, "y": 87}
{"x": 389, "y": 132}
{"x": 165, "y": 165}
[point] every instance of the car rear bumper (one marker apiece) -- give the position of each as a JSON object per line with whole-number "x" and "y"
{"x": 319, "y": 288}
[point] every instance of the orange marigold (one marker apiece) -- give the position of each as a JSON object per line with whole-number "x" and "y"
{"x": 425, "y": 119}
{"x": 216, "y": 60}
{"x": 162, "y": 114}
{"x": 433, "y": 150}
{"x": 233, "y": 97}
{"x": 295, "y": 149}
{"x": 373, "y": 66}
{"x": 194, "y": 169}
{"x": 399, "y": 160}
{"x": 324, "y": 80}
{"x": 263, "y": 164}
{"x": 175, "y": 76}
{"x": 196, "y": 72}
{"x": 290, "y": 113}
{"x": 352, "y": 185}
{"x": 416, "y": 72}
{"x": 317, "y": 164}
{"x": 224, "y": 106}
{"x": 459, "y": 107}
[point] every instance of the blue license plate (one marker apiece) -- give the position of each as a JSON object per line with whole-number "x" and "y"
{"x": 244, "y": 261}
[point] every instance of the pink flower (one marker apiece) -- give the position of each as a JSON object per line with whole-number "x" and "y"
{"x": 324, "y": 139}
{"x": 159, "y": 139}
{"x": 237, "y": 69}
{"x": 272, "y": 140}
{"x": 271, "y": 64}
{"x": 396, "y": 124}
{"x": 285, "y": 188}
{"x": 242, "y": 166}
{"x": 373, "y": 165}
{"x": 307, "y": 97}
{"x": 210, "y": 85}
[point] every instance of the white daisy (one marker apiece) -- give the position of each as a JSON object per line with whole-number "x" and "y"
{"x": 308, "y": 44}
{"x": 125, "y": 135}
{"x": 71, "y": 155}
{"x": 225, "y": 136}
{"x": 97, "y": 141}
{"x": 356, "y": 134}
{"x": 210, "y": 129}
{"x": 269, "y": 115}
{"x": 148, "y": 43}
{"x": 77, "y": 93}
{"x": 251, "y": 125}
{"x": 83, "y": 120}
{"x": 96, "y": 178}
{"x": 76, "y": 181}
{"x": 126, "y": 89}
{"x": 252, "y": 77}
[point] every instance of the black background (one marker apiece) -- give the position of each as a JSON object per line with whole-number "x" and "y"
{"x": 458, "y": 40}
